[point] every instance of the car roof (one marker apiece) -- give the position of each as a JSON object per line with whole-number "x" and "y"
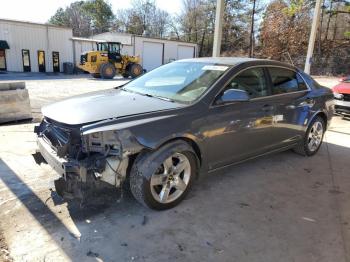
{"x": 232, "y": 61}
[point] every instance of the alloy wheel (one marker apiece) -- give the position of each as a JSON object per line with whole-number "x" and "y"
{"x": 315, "y": 136}
{"x": 171, "y": 179}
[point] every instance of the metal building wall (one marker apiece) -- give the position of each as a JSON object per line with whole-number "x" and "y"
{"x": 81, "y": 46}
{"x": 134, "y": 45}
{"x": 170, "y": 49}
{"x": 35, "y": 37}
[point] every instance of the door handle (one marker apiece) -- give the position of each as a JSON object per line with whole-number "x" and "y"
{"x": 267, "y": 108}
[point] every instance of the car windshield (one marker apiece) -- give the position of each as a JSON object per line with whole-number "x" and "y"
{"x": 182, "y": 82}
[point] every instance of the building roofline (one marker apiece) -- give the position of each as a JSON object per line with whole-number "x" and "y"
{"x": 164, "y": 39}
{"x": 33, "y": 23}
{"x": 87, "y": 39}
{"x": 147, "y": 37}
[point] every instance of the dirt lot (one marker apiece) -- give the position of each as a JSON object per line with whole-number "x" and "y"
{"x": 278, "y": 208}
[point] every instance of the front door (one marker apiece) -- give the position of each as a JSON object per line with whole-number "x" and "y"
{"x": 242, "y": 129}
{"x": 56, "y": 61}
{"x": 41, "y": 61}
{"x": 26, "y": 60}
{"x": 2, "y": 60}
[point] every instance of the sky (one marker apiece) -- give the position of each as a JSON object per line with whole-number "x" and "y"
{"x": 41, "y": 10}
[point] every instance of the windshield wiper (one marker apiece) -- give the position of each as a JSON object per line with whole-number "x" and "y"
{"x": 149, "y": 95}
{"x": 161, "y": 97}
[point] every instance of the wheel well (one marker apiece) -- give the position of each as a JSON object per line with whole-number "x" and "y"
{"x": 191, "y": 143}
{"x": 324, "y": 117}
{"x": 185, "y": 139}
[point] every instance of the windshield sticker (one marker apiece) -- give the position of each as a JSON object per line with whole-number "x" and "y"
{"x": 214, "y": 67}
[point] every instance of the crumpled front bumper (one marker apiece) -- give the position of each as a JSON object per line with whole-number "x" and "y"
{"x": 60, "y": 165}
{"x": 97, "y": 167}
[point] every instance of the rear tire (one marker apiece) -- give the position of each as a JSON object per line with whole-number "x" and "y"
{"x": 107, "y": 71}
{"x": 313, "y": 138}
{"x": 158, "y": 181}
{"x": 135, "y": 70}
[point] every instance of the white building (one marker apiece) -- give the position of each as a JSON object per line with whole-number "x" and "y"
{"x": 153, "y": 52}
{"x": 33, "y": 47}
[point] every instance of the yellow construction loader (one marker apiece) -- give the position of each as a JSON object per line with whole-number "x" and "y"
{"x": 107, "y": 61}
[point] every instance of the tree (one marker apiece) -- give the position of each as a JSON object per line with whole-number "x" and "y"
{"x": 285, "y": 29}
{"x": 101, "y": 15}
{"x": 251, "y": 38}
{"x": 143, "y": 18}
{"x": 85, "y": 18}
{"x": 60, "y": 18}
{"x": 197, "y": 22}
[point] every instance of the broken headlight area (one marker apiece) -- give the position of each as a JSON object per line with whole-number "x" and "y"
{"x": 86, "y": 163}
{"x": 106, "y": 143}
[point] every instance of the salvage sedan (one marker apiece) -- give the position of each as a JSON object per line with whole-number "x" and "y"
{"x": 157, "y": 133}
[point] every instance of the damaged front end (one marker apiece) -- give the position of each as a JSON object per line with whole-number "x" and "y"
{"x": 86, "y": 162}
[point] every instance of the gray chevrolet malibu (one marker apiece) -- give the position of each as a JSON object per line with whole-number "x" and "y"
{"x": 157, "y": 133}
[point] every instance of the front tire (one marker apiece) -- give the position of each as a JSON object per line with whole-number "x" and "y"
{"x": 161, "y": 179}
{"x": 107, "y": 71}
{"x": 135, "y": 70}
{"x": 313, "y": 138}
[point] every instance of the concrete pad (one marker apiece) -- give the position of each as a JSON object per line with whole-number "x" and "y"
{"x": 328, "y": 81}
{"x": 14, "y": 102}
{"x": 45, "y": 89}
{"x": 278, "y": 208}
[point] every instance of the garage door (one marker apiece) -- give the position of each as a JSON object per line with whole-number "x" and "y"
{"x": 152, "y": 55}
{"x": 185, "y": 52}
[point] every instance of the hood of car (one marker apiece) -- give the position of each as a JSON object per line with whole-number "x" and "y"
{"x": 103, "y": 105}
{"x": 342, "y": 88}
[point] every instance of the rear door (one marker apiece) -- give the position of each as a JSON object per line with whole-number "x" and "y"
{"x": 289, "y": 96}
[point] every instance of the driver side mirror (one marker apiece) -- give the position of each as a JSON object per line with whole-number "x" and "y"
{"x": 233, "y": 95}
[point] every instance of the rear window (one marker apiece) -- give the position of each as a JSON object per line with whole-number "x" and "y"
{"x": 285, "y": 81}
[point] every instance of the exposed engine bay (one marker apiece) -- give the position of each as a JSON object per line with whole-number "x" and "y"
{"x": 86, "y": 162}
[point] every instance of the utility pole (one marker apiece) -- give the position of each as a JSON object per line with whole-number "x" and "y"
{"x": 218, "y": 27}
{"x": 251, "y": 44}
{"x": 314, "y": 27}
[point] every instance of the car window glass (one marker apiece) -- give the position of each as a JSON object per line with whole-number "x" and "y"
{"x": 312, "y": 82}
{"x": 301, "y": 83}
{"x": 252, "y": 81}
{"x": 285, "y": 81}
